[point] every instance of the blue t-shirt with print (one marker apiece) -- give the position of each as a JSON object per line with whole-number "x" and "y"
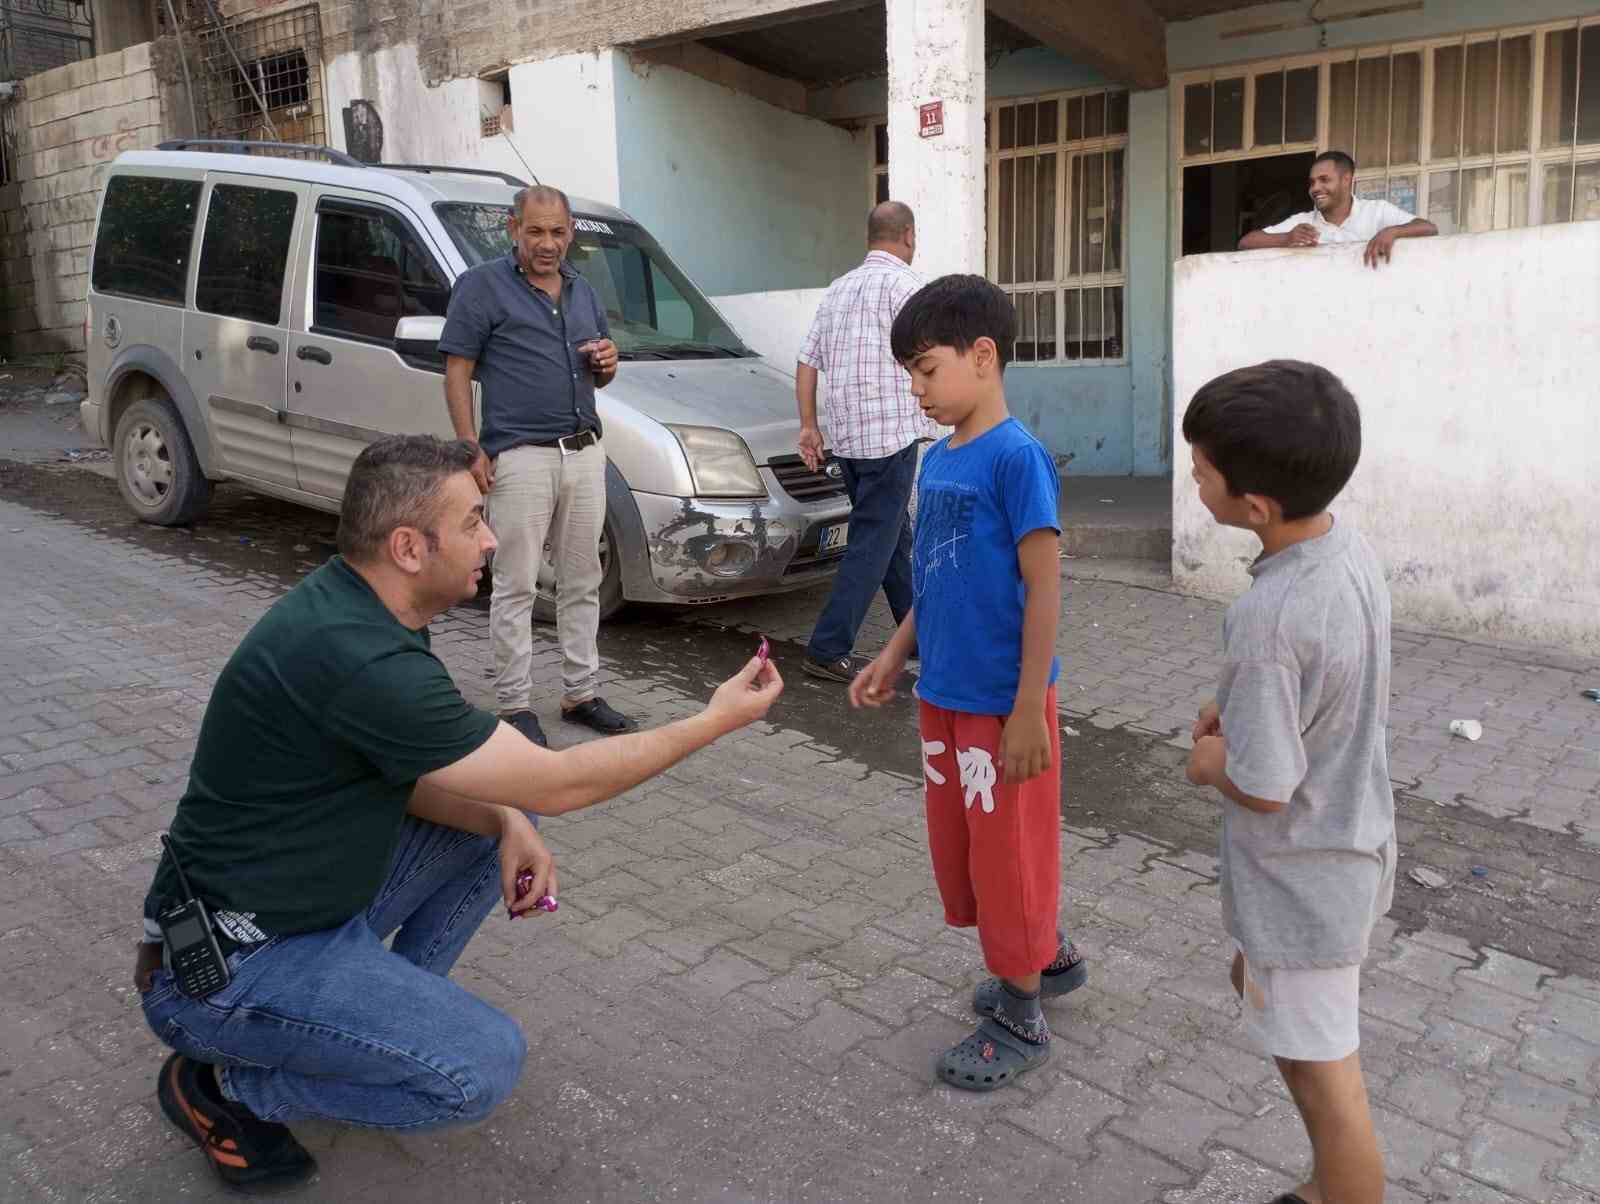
{"x": 975, "y": 503}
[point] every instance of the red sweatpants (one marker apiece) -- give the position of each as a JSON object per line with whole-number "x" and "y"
{"x": 996, "y": 845}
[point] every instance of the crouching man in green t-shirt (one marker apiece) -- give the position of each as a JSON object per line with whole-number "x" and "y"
{"x": 343, "y": 792}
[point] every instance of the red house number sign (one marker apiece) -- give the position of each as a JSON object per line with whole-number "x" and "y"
{"x": 932, "y": 119}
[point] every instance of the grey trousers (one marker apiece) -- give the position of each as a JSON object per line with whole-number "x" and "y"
{"x": 547, "y": 510}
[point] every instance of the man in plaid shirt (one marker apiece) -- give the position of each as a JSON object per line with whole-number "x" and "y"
{"x": 874, "y": 426}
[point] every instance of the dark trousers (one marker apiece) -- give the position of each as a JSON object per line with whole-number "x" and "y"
{"x": 879, "y": 552}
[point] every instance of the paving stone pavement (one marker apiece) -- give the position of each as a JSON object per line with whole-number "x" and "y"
{"x": 742, "y": 994}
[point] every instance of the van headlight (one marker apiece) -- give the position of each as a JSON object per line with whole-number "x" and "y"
{"x": 719, "y": 461}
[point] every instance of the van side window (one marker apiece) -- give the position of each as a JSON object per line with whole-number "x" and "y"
{"x": 244, "y": 251}
{"x": 146, "y": 229}
{"x": 372, "y": 271}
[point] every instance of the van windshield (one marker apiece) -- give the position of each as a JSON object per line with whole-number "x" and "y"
{"x": 653, "y": 309}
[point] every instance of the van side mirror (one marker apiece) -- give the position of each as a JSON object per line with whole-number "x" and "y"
{"x": 416, "y": 340}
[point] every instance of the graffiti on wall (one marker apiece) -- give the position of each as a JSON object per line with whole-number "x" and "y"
{"x": 124, "y": 137}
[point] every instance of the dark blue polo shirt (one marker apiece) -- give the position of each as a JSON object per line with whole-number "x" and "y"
{"x": 536, "y": 386}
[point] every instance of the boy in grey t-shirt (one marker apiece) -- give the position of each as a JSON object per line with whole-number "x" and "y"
{"x": 1296, "y": 745}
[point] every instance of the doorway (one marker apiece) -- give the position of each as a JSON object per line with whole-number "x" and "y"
{"x": 1224, "y": 201}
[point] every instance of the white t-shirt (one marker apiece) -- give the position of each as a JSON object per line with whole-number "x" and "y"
{"x": 1365, "y": 220}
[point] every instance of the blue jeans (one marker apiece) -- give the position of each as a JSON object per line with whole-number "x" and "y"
{"x": 878, "y": 555}
{"x": 332, "y": 1025}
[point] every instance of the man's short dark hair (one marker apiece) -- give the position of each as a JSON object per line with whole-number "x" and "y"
{"x": 1285, "y": 429}
{"x": 539, "y": 192}
{"x": 1340, "y": 160}
{"x": 954, "y": 311}
{"x": 397, "y": 482}
{"x": 889, "y": 221}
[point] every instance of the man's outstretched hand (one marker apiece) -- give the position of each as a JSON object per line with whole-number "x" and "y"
{"x": 746, "y": 696}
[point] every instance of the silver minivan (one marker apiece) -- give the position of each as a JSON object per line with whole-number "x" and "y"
{"x": 260, "y": 313}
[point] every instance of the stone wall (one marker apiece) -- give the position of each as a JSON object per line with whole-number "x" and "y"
{"x": 67, "y": 127}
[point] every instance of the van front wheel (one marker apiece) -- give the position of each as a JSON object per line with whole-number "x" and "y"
{"x": 611, "y": 601}
{"x": 157, "y": 471}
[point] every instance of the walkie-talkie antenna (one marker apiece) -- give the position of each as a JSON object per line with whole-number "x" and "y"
{"x": 183, "y": 879}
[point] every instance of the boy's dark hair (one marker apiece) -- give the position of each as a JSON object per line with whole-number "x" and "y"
{"x": 1285, "y": 429}
{"x": 1339, "y": 159}
{"x": 954, "y": 311}
{"x": 397, "y": 482}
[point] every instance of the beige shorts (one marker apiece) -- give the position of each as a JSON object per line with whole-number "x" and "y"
{"x": 1302, "y": 1015}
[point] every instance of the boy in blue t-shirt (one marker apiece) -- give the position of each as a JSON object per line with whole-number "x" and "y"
{"x": 986, "y": 580}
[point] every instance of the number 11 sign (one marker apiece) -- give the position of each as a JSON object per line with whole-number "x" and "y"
{"x": 932, "y": 119}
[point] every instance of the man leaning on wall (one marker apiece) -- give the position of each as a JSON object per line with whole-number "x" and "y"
{"x": 1338, "y": 215}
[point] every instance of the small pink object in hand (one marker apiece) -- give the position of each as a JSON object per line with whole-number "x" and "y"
{"x": 524, "y": 885}
{"x": 763, "y": 651}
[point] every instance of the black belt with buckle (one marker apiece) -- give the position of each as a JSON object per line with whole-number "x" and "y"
{"x": 571, "y": 443}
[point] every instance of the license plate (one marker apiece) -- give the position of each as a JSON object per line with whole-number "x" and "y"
{"x": 834, "y": 538}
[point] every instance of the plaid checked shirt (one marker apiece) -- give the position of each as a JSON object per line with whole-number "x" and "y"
{"x": 871, "y": 413}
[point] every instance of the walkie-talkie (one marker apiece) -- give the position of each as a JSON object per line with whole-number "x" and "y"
{"x": 193, "y": 954}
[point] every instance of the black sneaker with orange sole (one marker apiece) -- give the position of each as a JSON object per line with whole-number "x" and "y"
{"x": 248, "y": 1154}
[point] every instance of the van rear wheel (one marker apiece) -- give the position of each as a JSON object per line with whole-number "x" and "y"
{"x": 156, "y": 468}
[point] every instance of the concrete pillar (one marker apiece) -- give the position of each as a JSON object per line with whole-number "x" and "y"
{"x": 936, "y": 54}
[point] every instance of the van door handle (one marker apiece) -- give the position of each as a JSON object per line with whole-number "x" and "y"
{"x": 307, "y": 352}
{"x": 260, "y": 342}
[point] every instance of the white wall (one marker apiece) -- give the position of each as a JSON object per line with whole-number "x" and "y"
{"x": 566, "y": 116}
{"x": 1473, "y": 360}
{"x": 774, "y": 324}
{"x": 745, "y": 196}
{"x": 563, "y": 110}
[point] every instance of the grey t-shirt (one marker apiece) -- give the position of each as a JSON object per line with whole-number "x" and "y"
{"x": 1305, "y": 710}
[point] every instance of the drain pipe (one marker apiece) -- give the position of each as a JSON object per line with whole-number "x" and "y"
{"x": 183, "y": 58}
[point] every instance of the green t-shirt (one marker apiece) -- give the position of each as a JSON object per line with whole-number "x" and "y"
{"x": 316, "y": 733}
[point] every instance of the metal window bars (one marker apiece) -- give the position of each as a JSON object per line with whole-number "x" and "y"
{"x": 39, "y": 35}
{"x": 260, "y": 79}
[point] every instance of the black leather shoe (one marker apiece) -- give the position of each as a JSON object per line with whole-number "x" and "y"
{"x": 527, "y": 723}
{"x": 598, "y": 716}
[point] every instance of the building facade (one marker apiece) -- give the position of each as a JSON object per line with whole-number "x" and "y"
{"x": 1071, "y": 153}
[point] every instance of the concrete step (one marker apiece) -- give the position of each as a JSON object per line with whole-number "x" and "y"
{"x": 1116, "y": 518}
{"x": 1146, "y": 574}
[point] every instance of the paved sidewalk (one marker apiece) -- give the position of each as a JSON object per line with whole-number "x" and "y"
{"x": 747, "y": 982}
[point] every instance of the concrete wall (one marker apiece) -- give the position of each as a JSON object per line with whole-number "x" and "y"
{"x": 563, "y": 116}
{"x": 744, "y": 195}
{"x": 775, "y": 323}
{"x": 72, "y": 123}
{"x": 119, "y": 24}
{"x": 747, "y": 197}
{"x": 1472, "y": 359}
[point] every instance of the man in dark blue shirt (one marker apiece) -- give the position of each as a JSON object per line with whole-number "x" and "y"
{"x": 534, "y": 334}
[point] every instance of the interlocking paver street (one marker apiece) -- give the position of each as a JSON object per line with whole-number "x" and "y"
{"x": 744, "y": 990}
